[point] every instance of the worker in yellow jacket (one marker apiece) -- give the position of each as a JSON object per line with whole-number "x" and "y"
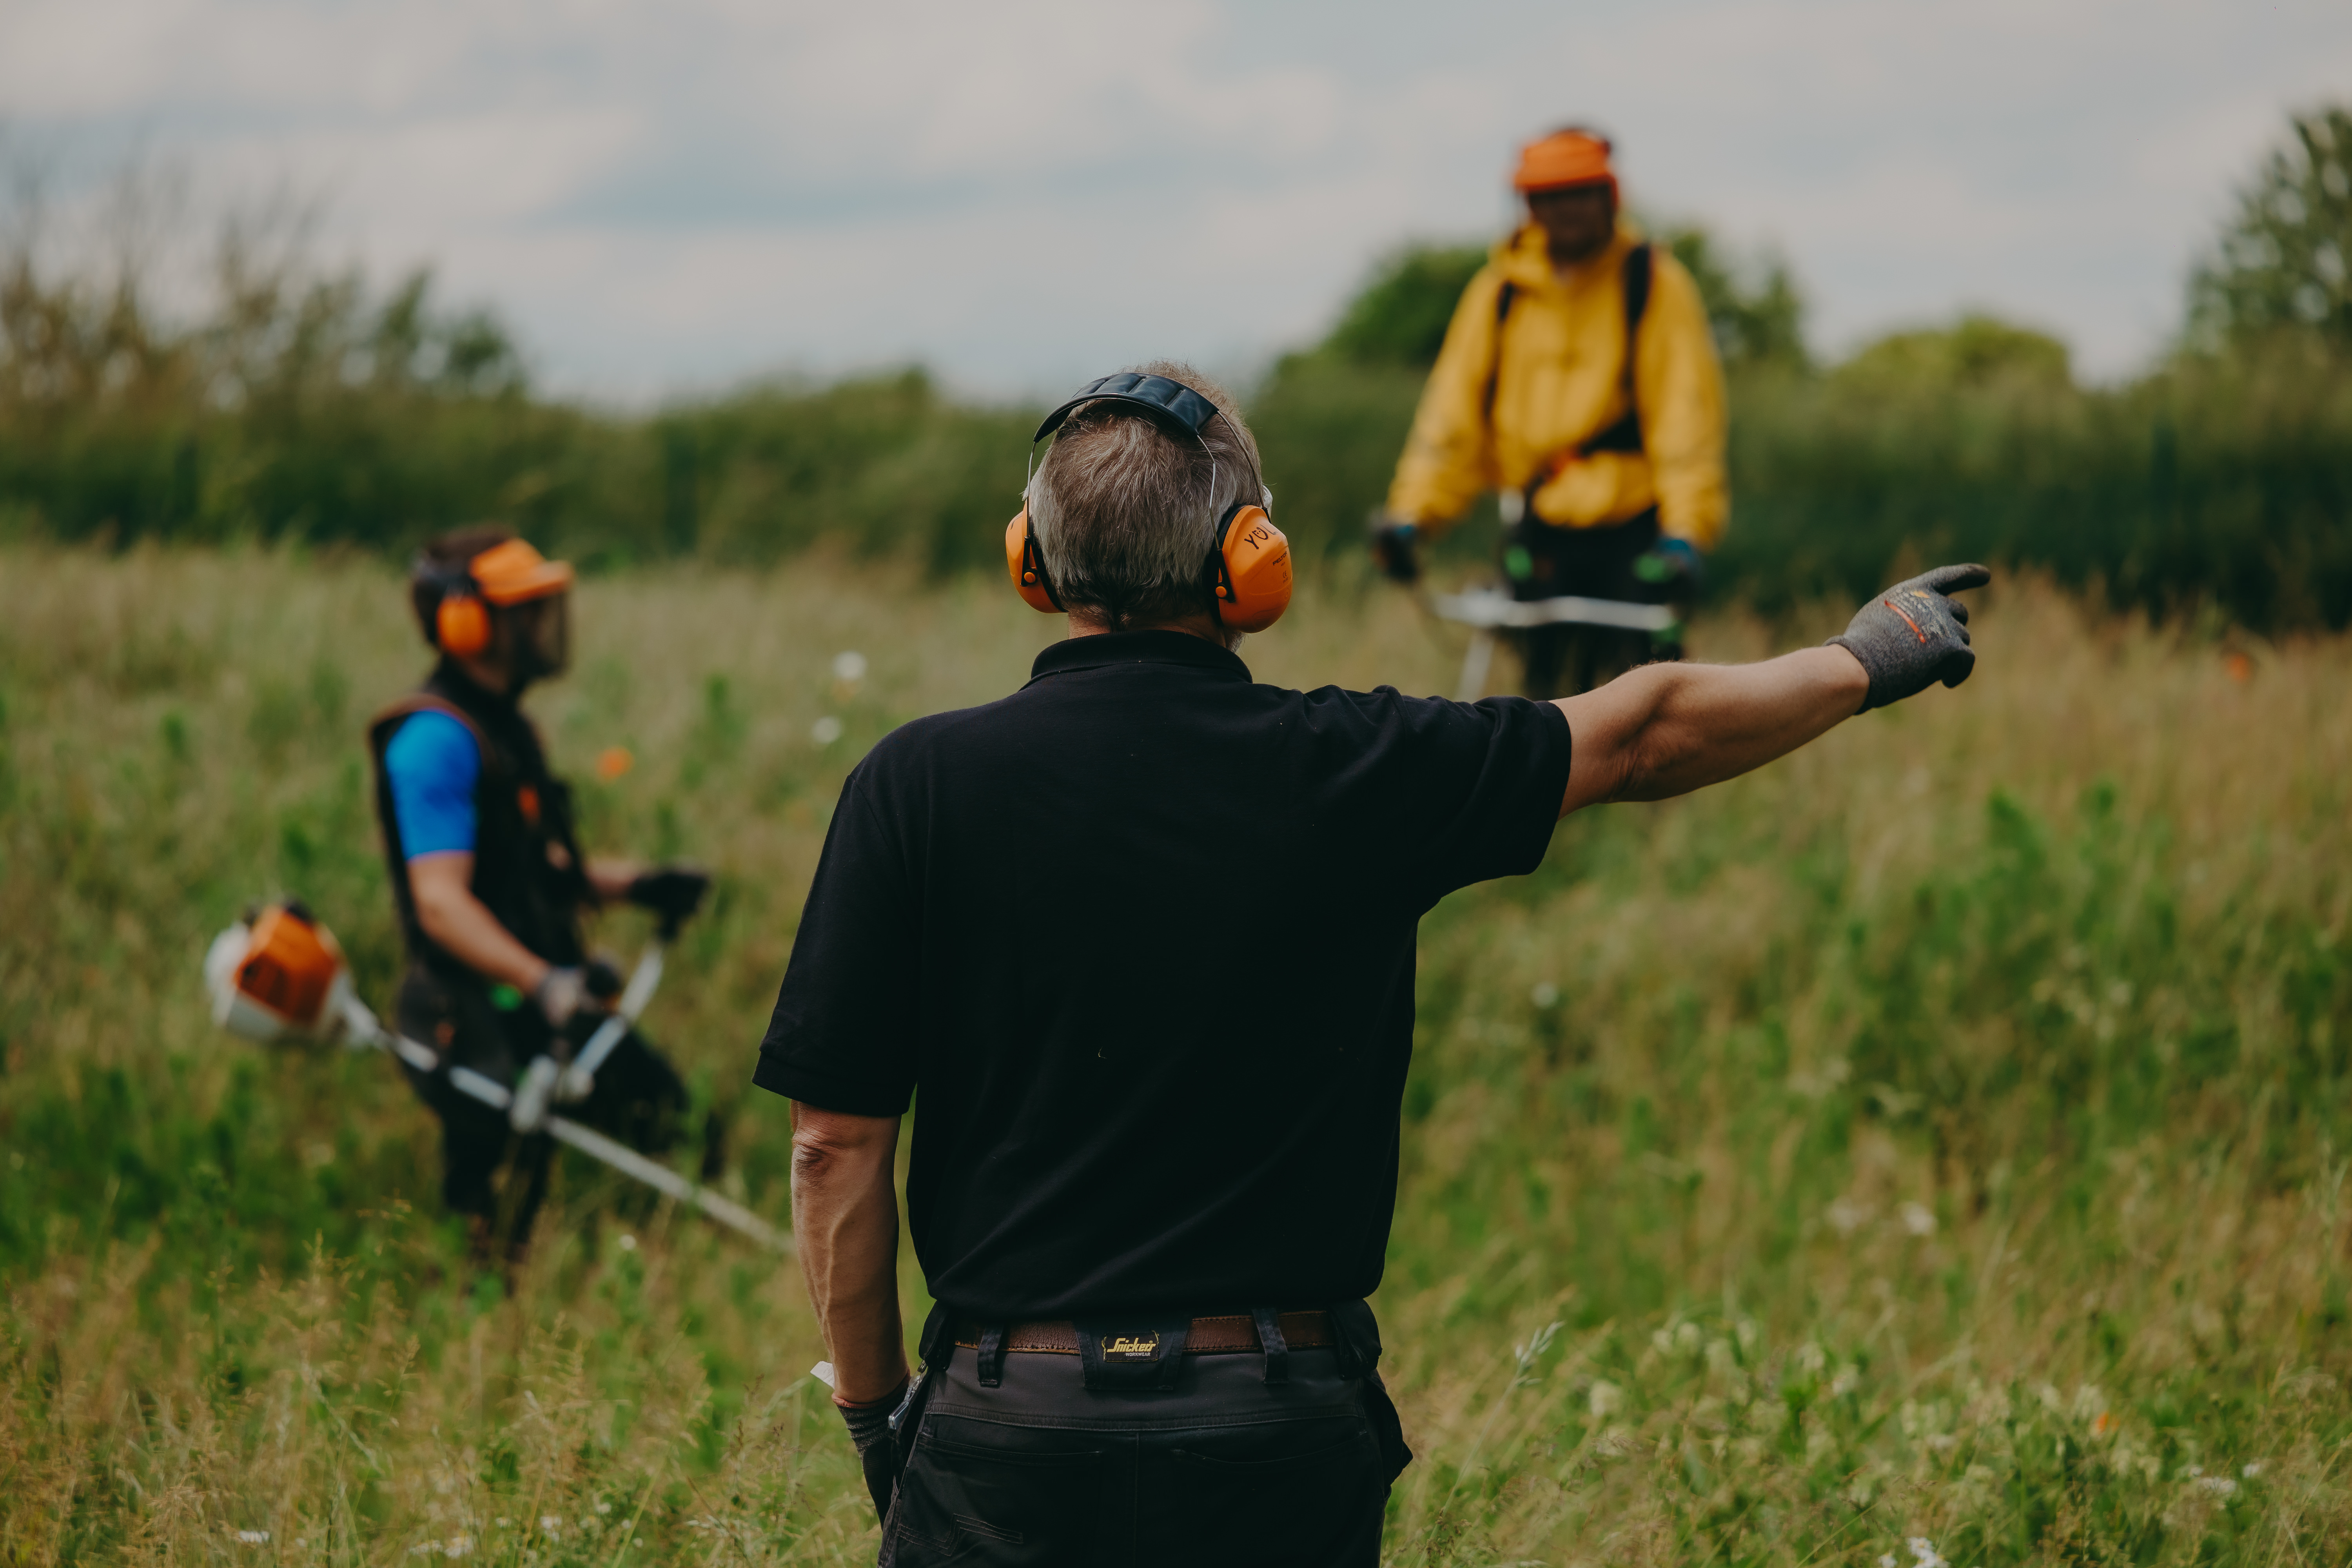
{"x": 1579, "y": 379}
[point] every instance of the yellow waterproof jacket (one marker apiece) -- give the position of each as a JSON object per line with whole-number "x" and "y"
{"x": 1557, "y": 381}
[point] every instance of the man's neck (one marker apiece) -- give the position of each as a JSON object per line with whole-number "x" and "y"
{"x": 491, "y": 675}
{"x": 1204, "y": 626}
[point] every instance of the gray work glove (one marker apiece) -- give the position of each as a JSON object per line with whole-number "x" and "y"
{"x": 561, "y": 994}
{"x": 1914, "y": 635}
{"x": 877, "y": 1448}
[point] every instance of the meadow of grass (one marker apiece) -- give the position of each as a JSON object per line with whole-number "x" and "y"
{"x": 1937, "y": 1138}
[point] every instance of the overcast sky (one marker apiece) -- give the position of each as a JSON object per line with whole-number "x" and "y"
{"x": 667, "y": 197}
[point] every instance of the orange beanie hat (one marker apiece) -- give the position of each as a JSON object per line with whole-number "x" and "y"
{"x": 1565, "y": 158}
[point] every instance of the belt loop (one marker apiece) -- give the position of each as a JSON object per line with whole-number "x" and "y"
{"x": 990, "y": 1360}
{"x": 1277, "y": 1348}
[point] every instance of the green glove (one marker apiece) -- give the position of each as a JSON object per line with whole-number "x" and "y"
{"x": 1914, "y": 635}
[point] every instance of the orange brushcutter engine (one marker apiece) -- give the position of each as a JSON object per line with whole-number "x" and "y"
{"x": 278, "y": 974}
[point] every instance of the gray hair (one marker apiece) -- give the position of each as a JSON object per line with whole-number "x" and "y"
{"x": 1124, "y": 511}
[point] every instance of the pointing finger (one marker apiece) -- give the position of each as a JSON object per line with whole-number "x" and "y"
{"x": 1954, "y": 579}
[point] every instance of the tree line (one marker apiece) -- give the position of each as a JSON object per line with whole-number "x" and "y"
{"x": 298, "y": 403}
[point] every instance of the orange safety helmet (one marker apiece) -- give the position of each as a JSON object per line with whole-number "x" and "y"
{"x": 1573, "y": 156}
{"x": 509, "y": 572}
{"x": 1248, "y": 567}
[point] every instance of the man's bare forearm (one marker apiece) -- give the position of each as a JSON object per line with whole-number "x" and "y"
{"x": 1665, "y": 729}
{"x": 845, "y": 1225}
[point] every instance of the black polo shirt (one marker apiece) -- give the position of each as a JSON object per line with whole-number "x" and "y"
{"x": 1140, "y": 938}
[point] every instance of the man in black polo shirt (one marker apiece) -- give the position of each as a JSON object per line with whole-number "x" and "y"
{"x": 1140, "y": 938}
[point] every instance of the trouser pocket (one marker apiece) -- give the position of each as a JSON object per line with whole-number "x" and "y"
{"x": 1273, "y": 1497}
{"x": 994, "y": 1495}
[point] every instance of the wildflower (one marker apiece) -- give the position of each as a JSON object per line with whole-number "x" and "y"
{"x": 1918, "y": 1219}
{"x": 612, "y": 761}
{"x": 458, "y": 1546}
{"x": 254, "y": 1537}
{"x": 1924, "y": 1550}
{"x": 1605, "y": 1399}
{"x": 2219, "y": 1486}
{"x": 628, "y": 1242}
{"x": 849, "y": 667}
{"x": 2102, "y": 1425}
{"x": 602, "y": 1507}
{"x": 1545, "y": 996}
{"x": 826, "y": 730}
{"x": 2252, "y": 1468}
{"x": 550, "y": 1524}
{"x": 1886, "y": 1560}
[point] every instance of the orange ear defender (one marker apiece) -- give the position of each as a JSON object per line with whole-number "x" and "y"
{"x": 1248, "y": 568}
{"x": 1026, "y": 563}
{"x": 461, "y": 626}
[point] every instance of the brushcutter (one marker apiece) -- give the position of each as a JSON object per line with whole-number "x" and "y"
{"x": 279, "y": 975}
{"x": 1489, "y": 610}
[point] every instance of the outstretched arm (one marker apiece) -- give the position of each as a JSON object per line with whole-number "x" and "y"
{"x": 1665, "y": 729}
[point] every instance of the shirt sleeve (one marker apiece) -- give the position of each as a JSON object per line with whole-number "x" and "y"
{"x": 1448, "y": 459}
{"x": 433, "y": 763}
{"x": 1504, "y": 775}
{"x": 844, "y": 1035}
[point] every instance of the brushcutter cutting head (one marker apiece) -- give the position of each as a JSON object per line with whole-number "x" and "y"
{"x": 278, "y": 974}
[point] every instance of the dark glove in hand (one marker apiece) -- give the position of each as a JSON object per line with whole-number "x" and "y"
{"x": 1395, "y": 546}
{"x": 1672, "y": 565}
{"x": 877, "y": 1448}
{"x": 673, "y": 893}
{"x": 1915, "y": 634}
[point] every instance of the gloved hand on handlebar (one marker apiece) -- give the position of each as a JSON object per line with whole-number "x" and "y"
{"x": 1673, "y": 565}
{"x": 673, "y": 893}
{"x": 1914, "y": 635}
{"x": 560, "y": 994}
{"x": 1395, "y": 545}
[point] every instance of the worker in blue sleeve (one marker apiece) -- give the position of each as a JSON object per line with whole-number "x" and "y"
{"x": 491, "y": 884}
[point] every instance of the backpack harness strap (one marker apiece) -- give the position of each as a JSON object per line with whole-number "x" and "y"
{"x": 1625, "y": 434}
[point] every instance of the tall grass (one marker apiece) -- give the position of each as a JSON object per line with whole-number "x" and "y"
{"x": 1940, "y": 1134}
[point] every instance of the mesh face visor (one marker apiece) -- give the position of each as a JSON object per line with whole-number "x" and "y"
{"x": 543, "y": 633}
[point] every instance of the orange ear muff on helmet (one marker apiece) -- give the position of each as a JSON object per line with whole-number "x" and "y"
{"x": 1026, "y": 564}
{"x": 1249, "y": 567}
{"x": 461, "y": 626}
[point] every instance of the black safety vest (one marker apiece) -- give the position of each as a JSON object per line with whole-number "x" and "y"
{"x": 528, "y": 870}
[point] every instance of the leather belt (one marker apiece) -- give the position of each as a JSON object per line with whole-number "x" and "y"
{"x": 1209, "y": 1336}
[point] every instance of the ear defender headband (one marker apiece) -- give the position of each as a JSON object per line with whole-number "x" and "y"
{"x": 1247, "y": 572}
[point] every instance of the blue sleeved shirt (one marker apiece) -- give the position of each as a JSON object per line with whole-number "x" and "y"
{"x": 433, "y": 762}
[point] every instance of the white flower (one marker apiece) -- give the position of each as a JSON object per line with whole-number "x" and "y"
{"x": 1544, "y": 994}
{"x": 1886, "y": 1560}
{"x": 2219, "y": 1486}
{"x": 604, "y": 1508}
{"x": 849, "y": 667}
{"x": 254, "y": 1537}
{"x": 1918, "y": 1219}
{"x": 1605, "y": 1399}
{"x": 550, "y": 1524}
{"x": 458, "y": 1545}
{"x": 2251, "y": 1468}
{"x": 1924, "y": 1550}
{"x": 826, "y": 730}
{"x": 628, "y": 1242}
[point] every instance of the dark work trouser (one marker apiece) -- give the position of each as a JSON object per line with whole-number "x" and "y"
{"x": 1590, "y": 562}
{"x": 638, "y": 1099}
{"x": 1223, "y": 1471}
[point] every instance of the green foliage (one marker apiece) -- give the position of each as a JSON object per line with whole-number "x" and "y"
{"x": 1752, "y": 303}
{"x": 1939, "y": 1133}
{"x": 2284, "y": 261}
{"x": 1400, "y": 315}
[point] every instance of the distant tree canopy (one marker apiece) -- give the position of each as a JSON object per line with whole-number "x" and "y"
{"x": 1977, "y": 352}
{"x": 2284, "y": 262}
{"x": 1399, "y": 317}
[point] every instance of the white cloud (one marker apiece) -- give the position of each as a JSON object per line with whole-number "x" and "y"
{"x": 676, "y": 194}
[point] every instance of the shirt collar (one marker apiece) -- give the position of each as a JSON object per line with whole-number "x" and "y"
{"x": 1155, "y": 647}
